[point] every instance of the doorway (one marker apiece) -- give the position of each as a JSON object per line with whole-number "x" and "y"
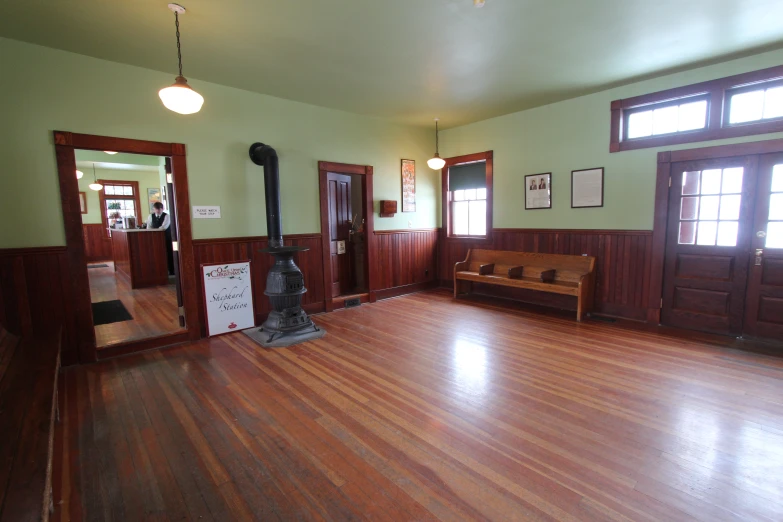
{"x": 723, "y": 265}
{"x": 347, "y": 233}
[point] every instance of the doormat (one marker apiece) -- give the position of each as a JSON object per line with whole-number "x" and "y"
{"x": 97, "y": 266}
{"x": 107, "y": 312}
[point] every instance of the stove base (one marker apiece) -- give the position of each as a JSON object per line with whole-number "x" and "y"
{"x": 277, "y": 339}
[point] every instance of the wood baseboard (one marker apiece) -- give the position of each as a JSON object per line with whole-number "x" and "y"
{"x": 397, "y": 291}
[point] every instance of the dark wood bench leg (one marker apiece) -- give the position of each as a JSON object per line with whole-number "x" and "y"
{"x": 462, "y": 287}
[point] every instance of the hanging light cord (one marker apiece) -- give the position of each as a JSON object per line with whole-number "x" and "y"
{"x": 437, "y": 149}
{"x": 179, "y": 50}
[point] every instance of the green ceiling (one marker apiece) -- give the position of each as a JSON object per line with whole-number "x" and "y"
{"x": 408, "y": 60}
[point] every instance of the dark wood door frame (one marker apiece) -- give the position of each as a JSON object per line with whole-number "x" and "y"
{"x": 661, "y": 216}
{"x": 365, "y": 171}
{"x": 65, "y": 144}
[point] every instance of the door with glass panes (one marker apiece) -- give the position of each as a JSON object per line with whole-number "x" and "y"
{"x": 723, "y": 269}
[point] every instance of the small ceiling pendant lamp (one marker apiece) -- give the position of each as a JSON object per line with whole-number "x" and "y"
{"x": 478, "y": 3}
{"x": 110, "y": 152}
{"x": 436, "y": 162}
{"x": 79, "y": 174}
{"x": 180, "y": 97}
{"x": 95, "y": 185}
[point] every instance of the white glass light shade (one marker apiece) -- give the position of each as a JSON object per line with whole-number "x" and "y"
{"x": 96, "y": 187}
{"x": 110, "y": 152}
{"x": 436, "y": 163}
{"x": 79, "y": 174}
{"x": 180, "y": 98}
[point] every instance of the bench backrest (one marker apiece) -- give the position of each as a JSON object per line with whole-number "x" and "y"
{"x": 568, "y": 268}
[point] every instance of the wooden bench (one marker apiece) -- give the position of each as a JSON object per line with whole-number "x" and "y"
{"x": 552, "y": 273}
{"x": 29, "y": 368}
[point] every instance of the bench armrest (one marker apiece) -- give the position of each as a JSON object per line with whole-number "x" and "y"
{"x": 461, "y": 266}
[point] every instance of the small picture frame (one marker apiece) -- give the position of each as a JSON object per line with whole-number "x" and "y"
{"x": 408, "y": 173}
{"x": 83, "y": 202}
{"x": 538, "y": 191}
{"x": 587, "y": 188}
{"x": 153, "y": 196}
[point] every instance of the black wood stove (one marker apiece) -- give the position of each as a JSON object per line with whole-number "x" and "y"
{"x": 287, "y": 323}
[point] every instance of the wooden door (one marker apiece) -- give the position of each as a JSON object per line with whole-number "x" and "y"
{"x": 708, "y": 244}
{"x": 764, "y": 309}
{"x": 339, "y": 194}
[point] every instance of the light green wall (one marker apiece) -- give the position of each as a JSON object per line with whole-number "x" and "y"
{"x": 42, "y": 90}
{"x": 572, "y": 135}
{"x": 146, "y": 179}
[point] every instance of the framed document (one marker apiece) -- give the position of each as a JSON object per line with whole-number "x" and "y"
{"x": 408, "y": 185}
{"x": 587, "y": 188}
{"x": 83, "y": 202}
{"x": 538, "y": 191}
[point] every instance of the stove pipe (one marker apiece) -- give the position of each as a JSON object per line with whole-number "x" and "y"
{"x": 266, "y": 156}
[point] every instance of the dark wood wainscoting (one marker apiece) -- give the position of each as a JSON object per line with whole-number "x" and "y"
{"x": 35, "y": 288}
{"x": 407, "y": 261}
{"x": 97, "y": 245}
{"x": 225, "y": 250}
{"x": 623, "y": 264}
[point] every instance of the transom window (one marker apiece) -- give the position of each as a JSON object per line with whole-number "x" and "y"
{"x": 667, "y": 118}
{"x": 755, "y": 104}
{"x": 775, "y": 224}
{"x": 710, "y": 207}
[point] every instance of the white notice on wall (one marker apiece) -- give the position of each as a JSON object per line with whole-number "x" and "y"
{"x": 228, "y": 296}
{"x": 587, "y": 188}
{"x": 206, "y": 212}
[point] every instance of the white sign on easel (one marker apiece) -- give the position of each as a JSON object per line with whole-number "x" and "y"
{"x": 228, "y": 297}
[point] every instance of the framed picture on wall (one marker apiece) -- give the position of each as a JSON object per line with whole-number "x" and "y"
{"x": 83, "y": 202}
{"x": 587, "y": 188}
{"x": 538, "y": 191}
{"x": 408, "y": 185}
{"x": 153, "y": 196}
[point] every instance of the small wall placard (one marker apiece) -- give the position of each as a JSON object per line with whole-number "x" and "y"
{"x": 587, "y": 188}
{"x": 228, "y": 297}
{"x": 206, "y": 212}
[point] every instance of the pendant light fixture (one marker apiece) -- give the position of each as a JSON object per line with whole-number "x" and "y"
{"x": 95, "y": 185}
{"x": 79, "y": 174}
{"x": 180, "y": 97}
{"x": 110, "y": 152}
{"x": 436, "y": 162}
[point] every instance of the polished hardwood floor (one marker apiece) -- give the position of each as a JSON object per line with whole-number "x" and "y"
{"x": 154, "y": 309}
{"x": 424, "y": 408}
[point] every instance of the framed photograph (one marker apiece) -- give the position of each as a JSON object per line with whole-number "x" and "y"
{"x": 538, "y": 191}
{"x": 153, "y": 196}
{"x": 587, "y": 188}
{"x": 408, "y": 185}
{"x": 83, "y": 202}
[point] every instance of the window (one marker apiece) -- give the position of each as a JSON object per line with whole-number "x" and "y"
{"x": 467, "y": 196}
{"x": 730, "y": 107}
{"x": 119, "y": 199}
{"x": 710, "y": 207}
{"x": 775, "y": 223}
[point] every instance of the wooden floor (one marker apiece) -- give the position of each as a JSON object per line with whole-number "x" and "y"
{"x": 423, "y": 408}
{"x": 154, "y": 309}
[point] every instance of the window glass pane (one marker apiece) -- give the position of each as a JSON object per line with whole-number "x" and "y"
{"x": 130, "y": 204}
{"x": 727, "y": 233}
{"x": 709, "y": 207}
{"x": 773, "y": 103}
{"x": 689, "y": 208}
{"x": 732, "y": 180}
{"x": 777, "y": 178}
{"x": 459, "y": 195}
{"x": 128, "y": 191}
{"x": 481, "y": 193}
{"x": 730, "y": 206}
{"x": 109, "y": 189}
{"x": 478, "y": 218}
{"x": 640, "y": 124}
{"x": 460, "y": 218}
{"x": 470, "y": 194}
{"x": 687, "y": 232}
{"x": 776, "y": 207}
{"x": 775, "y": 234}
{"x": 665, "y": 120}
{"x": 710, "y": 181}
{"x": 690, "y": 182}
{"x": 707, "y": 232}
{"x": 747, "y": 106}
{"x": 693, "y": 115}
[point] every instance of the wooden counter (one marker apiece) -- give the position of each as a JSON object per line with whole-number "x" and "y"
{"x": 140, "y": 256}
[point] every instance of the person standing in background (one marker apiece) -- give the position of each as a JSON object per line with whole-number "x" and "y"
{"x": 160, "y": 219}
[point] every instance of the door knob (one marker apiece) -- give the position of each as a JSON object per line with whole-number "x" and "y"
{"x": 761, "y": 233}
{"x": 759, "y": 251}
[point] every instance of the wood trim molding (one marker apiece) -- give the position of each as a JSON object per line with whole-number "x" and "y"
{"x": 404, "y": 231}
{"x": 65, "y": 145}
{"x": 715, "y": 91}
{"x": 371, "y": 267}
{"x": 32, "y": 250}
{"x": 487, "y": 156}
{"x": 247, "y": 239}
{"x": 577, "y": 231}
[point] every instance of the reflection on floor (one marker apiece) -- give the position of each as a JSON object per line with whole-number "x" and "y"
{"x": 427, "y": 408}
{"x": 154, "y": 310}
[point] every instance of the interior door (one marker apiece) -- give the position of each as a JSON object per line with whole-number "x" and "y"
{"x": 339, "y": 186}
{"x": 764, "y": 309}
{"x": 708, "y": 244}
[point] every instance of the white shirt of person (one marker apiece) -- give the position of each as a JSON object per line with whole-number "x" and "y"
{"x": 164, "y": 226}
